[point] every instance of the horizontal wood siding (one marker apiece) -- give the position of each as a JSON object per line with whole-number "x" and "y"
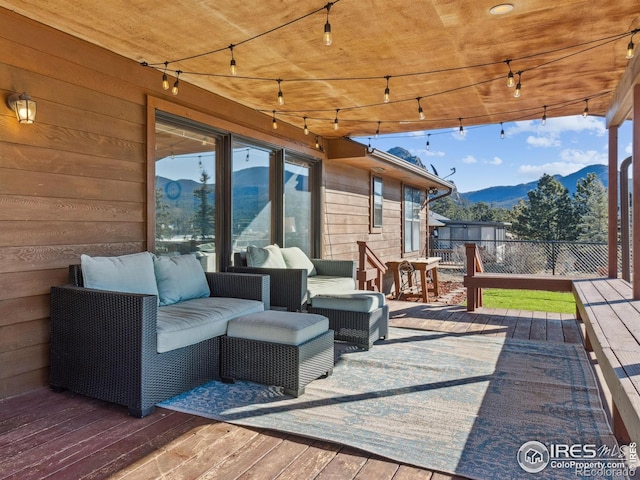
{"x": 75, "y": 181}
{"x": 346, "y": 215}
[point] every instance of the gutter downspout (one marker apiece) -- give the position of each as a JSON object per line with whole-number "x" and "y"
{"x": 625, "y": 240}
{"x": 429, "y": 200}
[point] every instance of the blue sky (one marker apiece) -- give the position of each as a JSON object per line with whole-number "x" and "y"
{"x": 482, "y": 159}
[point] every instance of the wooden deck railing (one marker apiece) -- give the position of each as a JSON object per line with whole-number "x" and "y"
{"x": 476, "y": 279}
{"x": 370, "y": 269}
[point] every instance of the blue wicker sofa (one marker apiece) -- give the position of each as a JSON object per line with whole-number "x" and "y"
{"x": 295, "y": 278}
{"x": 131, "y": 349}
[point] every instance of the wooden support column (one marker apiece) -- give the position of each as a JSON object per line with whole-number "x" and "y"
{"x": 635, "y": 231}
{"x": 612, "y": 238}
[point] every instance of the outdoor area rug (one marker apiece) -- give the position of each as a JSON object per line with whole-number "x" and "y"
{"x": 462, "y": 404}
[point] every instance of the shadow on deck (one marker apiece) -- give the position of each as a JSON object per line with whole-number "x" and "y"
{"x": 62, "y": 436}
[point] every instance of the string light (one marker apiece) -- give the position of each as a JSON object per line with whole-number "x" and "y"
{"x": 327, "y": 37}
{"x": 232, "y": 64}
{"x": 176, "y": 85}
{"x": 274, "y": 122}
{"x": 387, "y": 97}
{"x": 165, "y": 80}
{"x": 428, "y": 145}
{"x": 420, "y": 110}
{"x": 280, "y": 95}
{"x": 510, "y": 80}
{"x": 306, "y": 129}
{"x": 336, "y": 124}
{"x": 501, "y": 131}
{"x": 630, "y": 47}
{"x": 461, "y": 129}
{"x": 544, "y": 116}
{"x": 377, "y": 131}
{"x": 586, "y": 108}
{"x": 518, "y": 86}
{"x": 317, "y": 142}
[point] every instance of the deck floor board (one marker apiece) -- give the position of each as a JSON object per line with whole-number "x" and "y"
{"x": 61, "y": 435}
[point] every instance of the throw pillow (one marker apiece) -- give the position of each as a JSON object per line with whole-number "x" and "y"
{"x": 294, "y": 257}
{"x": 125, "y": 273}
{"x": 265, "y": 257}
{"x": 180, "y": 278}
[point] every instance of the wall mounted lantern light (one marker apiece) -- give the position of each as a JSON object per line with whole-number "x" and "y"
{"x": 23, "y": 107}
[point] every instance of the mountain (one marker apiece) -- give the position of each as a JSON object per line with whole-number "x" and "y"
{"x": 508, "y": 196}
{"x": 405, "y": 155}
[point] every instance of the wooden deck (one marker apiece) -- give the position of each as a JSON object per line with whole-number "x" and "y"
{"x": 62, "y": 436}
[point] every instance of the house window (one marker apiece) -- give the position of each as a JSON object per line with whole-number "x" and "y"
{"x": 185, "y": 205}
{"x": 376, "y": 204}
{"x": 411, "y": 219}
{"x": 251, "y": 194}
{"x": 298, "y": 204}
{"x": 215, "y": 193}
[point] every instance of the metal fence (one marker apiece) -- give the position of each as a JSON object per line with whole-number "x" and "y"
{"x": 586, "y": 259}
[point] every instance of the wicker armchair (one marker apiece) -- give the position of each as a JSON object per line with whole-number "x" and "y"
{"x": 104, "y": 344}
{"x": 289, "y": 287}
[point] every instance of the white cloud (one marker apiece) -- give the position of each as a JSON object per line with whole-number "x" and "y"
{"x": 547, "y": 141}
{"x": 427, "y": 153}
{"x": 469, "y": 159}
{"x": 583, "y": 157}
{"x": 629, "y": 149}
{"x": 549, "y": 134}
{"x": 495, "y": 161}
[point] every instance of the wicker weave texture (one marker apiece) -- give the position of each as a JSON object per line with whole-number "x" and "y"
{"x": 359, "y": 328}
{"x": 104, "y": 344}
{"x": 288, "y": 366}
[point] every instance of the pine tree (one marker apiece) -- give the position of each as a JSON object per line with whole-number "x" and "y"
{"x": 590, "y": 203}
{"x": 548, "y": 214}
{"x": 204, "y": 216}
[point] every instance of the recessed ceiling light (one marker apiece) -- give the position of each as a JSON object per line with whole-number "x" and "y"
{"x": 501, "y": 9}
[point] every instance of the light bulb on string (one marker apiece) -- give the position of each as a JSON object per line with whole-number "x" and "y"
{"x": 176, "y": 84}
{"x": 630, "y": 47}
{"x": 387, "y": 95}
{"x": 544, "y": 116}
{"x": 336, "y": 124}
{"x": 461, "y": 129}
{"x": 317, "y": 142}
{"x": 305, "y": 128}
{"x": 501, "y": 131}
{"x": 377, "y": 131}
{"x": 585, "y": 112}
{"x": 428, "y": 144}
{"x": 280, "y": 94}
{"x": 232, "y": 64}
{"x": 420, "y": 110}
{"x": 327, "y": 37}
{"x": 510, "y": 79}
{"x": 516, "y": 94}
{"x": 165, "y": 80}
{"x": 274, "y": 121}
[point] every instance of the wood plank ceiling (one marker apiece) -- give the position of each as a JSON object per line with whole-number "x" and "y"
{"x": 450, "y": 54}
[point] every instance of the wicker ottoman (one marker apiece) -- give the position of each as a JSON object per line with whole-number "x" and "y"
{"x": 286, "y": 349}
{"x": 359, "y": 317}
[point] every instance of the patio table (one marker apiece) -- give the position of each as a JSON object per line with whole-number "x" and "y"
{"x": 422, "y": 265}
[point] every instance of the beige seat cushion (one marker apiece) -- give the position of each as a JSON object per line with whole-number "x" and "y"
{"x": 186, "y": 323}
{"x": 289, "y": 328}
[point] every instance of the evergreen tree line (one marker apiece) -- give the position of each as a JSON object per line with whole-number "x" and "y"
{"x": 548, "y": 213}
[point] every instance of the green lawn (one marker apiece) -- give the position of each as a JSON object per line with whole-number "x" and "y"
{"x": 536, "y": 300}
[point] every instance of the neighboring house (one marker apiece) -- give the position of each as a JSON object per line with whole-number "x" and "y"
{"x": 451, "y": 235}
{"x": 82, "y": 179}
